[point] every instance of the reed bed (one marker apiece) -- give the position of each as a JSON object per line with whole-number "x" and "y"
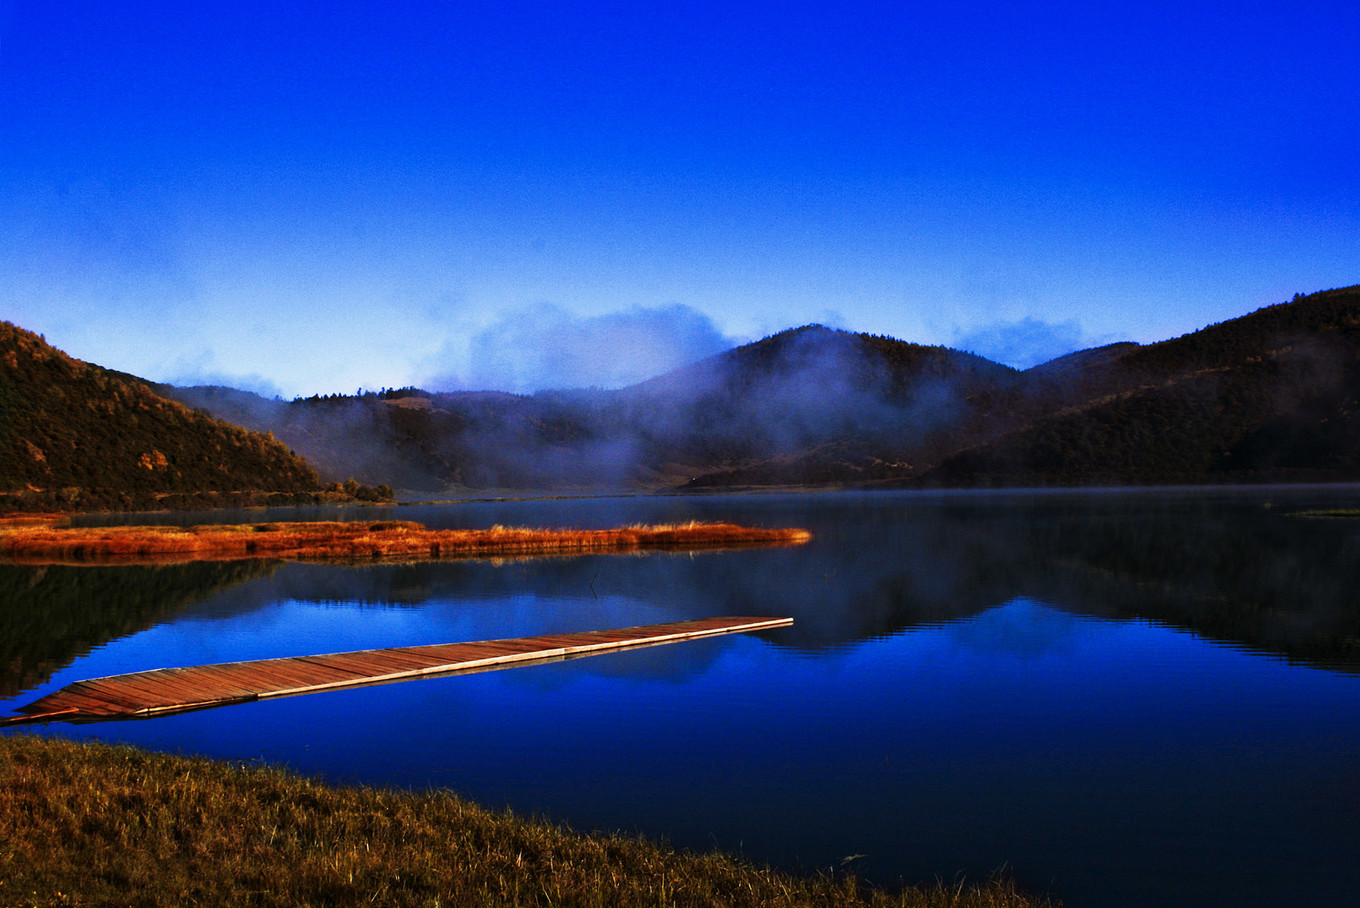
{"x": 341, "y": 540}
{"x": 31, "y": 520}
{"x": 88, "y": 824}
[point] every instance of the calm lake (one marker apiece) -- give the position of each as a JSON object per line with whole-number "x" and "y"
{"x": 1123, "y": 698}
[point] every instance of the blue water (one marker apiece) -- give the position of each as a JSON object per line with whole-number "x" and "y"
{"x": 1127, "y": 699}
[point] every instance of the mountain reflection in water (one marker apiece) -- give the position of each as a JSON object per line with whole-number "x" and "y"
{"x": 1241, "y": 569}
{"x": 51, "y": 615}
{"x": 1127, "y": 698}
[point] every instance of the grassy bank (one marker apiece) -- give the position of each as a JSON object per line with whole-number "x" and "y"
{"x": 391, "y": 539}
{"x": 94, "y": 825}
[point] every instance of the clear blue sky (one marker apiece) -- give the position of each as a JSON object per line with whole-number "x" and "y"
{"x": 314, "y": 197}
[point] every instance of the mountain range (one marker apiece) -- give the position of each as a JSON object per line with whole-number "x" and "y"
{"x": 1271, "y": 396}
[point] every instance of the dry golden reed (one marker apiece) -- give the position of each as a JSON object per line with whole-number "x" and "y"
{"x": 359, "y": 540}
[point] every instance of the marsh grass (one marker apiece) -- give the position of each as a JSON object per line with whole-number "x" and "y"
{"x": 359, "y": 540}
{"x": 92, "y": 824}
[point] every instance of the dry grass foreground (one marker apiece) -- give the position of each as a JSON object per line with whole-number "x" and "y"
{"x": 44, "y": 542}
{"x": 84, "y": 824}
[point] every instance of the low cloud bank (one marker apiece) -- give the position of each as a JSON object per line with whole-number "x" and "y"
{"x": 1024, "y": 343}
{"x": 545, "y": 346}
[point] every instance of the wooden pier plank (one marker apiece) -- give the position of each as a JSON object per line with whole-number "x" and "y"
{"x": 194, "y": 687}
{"x": 381, "y": 661}
{"x": 330, "y": 665}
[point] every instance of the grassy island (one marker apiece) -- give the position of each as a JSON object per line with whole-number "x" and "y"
{"x": 90, "y": 824}
{"x": 45, "y": 542}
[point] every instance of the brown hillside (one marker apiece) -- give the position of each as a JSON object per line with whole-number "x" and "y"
{"x": 73, "y": 433}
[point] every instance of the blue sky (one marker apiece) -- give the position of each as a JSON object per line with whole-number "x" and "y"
{"x": 309, "y": 197}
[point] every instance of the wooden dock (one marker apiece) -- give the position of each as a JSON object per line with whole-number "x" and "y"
{"x": 168, "y": 690}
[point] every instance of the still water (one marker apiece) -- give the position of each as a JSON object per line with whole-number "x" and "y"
{"x": 1124, "y": 698}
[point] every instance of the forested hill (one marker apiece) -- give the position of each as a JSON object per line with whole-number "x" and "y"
{"x": 813, "y": 405}
{"x": 850, "y": 398}
{"x": 1271, "y": 396}
{"x": 75, "y": 435}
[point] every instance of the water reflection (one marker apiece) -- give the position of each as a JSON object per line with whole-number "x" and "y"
{"x": 49, "y": 616}
{"x": 1243, "y": 569}
{"x": 973, "y": 681}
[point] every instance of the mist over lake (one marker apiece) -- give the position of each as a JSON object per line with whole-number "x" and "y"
{"x": 1135, "y": 697}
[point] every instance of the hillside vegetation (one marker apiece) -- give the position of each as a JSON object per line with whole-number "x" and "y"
{"x": 850, "y": 399}
{"x": 1271, "y": 396}
{"x": 73, "y": 434}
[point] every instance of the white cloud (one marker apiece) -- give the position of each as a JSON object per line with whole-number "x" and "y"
{"x": 545, "y": 346}
{"x": 1024, "y": 343}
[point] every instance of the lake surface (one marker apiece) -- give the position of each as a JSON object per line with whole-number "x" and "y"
{"x": 1124, "y": 698}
